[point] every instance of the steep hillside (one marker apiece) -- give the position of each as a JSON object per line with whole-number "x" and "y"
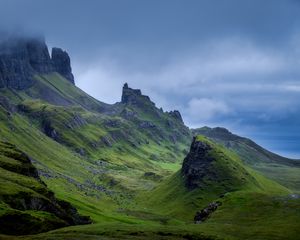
{"x": 229, "y": 199}
{"x": 285, "y": 171}
{"x": 26, "y": 204}
{"x": 94, "y": 155}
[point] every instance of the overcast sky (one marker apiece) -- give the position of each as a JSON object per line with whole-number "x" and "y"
{"x": 230, "y": 63}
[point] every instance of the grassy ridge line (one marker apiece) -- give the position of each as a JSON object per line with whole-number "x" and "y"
{"x": 65, "y": 171}
{"x": 282, "y": 170}
{"x": 255, "y": 209}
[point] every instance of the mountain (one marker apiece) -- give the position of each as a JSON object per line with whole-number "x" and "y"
{"x": 126, "y": 165}
{"x": 225, "y": 197}
{"x": 281, "y": 169}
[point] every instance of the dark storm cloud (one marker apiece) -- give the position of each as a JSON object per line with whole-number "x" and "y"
{"x": 231, "y": 63}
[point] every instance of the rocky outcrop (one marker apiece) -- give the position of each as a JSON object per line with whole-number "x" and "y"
{"x": 176, "y": 114}
{"x": 50, "y": 131}
{"x": 196, "y": 163}
{"x": 31, "y": 194}
{"x": 22, "y": 58}
{"x": 62, "y": 64}
{"x": 135, "y": 97}
{"x": 206, "y": 212}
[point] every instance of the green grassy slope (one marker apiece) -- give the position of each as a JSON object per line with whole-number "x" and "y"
{"x": 96, "y": 161}
{"x": 26, "y": 204}
{"x": 103, "y": 158}
{"x": 257, "y": 208}
{"x": 283, "y": 170}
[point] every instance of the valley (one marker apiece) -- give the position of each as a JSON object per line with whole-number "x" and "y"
{"x": 127, "y": 170}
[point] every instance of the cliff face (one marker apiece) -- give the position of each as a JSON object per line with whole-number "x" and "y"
{"x": 176, "y": 114}
{"x": 210, "y": 166}
{"x": 62, "y": 64}
{"x": 22, "y": 58}
{"x": 15, "y": 69}
{"x": 197, "y": 163}
{"x": 135, "y": 97}
{"x": 39, "y": 58}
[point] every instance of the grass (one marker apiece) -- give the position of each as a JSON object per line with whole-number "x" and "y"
{"x": 108, "y": 181}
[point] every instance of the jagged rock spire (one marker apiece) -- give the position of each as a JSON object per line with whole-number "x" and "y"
{"x": 134, "y": 96}
{"x": 176, "y": 114}
{"x": 62, "y": 64}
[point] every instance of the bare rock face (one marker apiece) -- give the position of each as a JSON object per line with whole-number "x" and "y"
{"x": 206, "y": 212}
{"x": 62, "y": 64}
{"x": 195, "y": 164}
{"x": 135, "y": 97}
{"x": 15, "y": 69}
{"x": 23, "y": 57}
{"x": 176, "y": 114}
{"x": 39, "y": 58}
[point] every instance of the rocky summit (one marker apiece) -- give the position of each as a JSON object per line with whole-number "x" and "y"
{"x": 22, "y": 58}
{"x": 134, "y": 97}
{"x": 196, "y": 163}
{"x": 209, "y": 164}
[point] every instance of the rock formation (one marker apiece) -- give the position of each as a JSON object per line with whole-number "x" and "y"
{"x": 176, "y": 114}
{"x": 206, "y": 212}
{"x": 22, "y": 58}
{"x": 62, "y": 64}
{"x": 134, "y": 97}
{"x": 39, "y": 58}
{"x": 15, "y": 69}
{"x": 196, "y": 163}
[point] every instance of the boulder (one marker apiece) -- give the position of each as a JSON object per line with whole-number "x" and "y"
{"x": 206, "y": 212}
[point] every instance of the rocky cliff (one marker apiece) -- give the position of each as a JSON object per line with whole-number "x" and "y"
{"x": 176, "y": 114}
{"x": 22, "y": 58}
{"x": 134, "y": 97}
{"x": 62, "y": 64}
{"x": 208, "y": 165}
{"x": 196, "y": 163}
{"x": 28, "y": 206}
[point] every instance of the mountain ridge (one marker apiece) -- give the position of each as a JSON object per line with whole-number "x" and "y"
{"x": 104, "y": 158}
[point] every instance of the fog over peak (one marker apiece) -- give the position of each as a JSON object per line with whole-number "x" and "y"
{"x": 221, "y": 63}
